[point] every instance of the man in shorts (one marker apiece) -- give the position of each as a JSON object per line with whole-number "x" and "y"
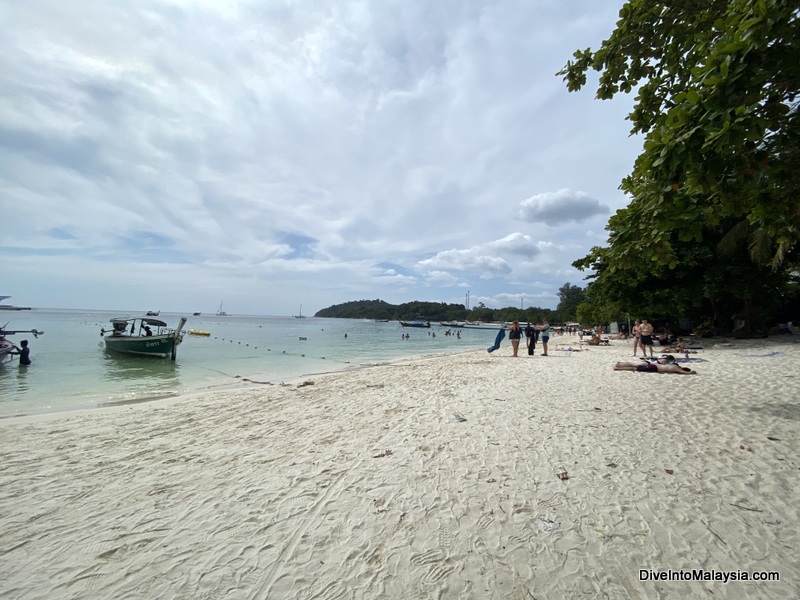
{"x": 646, "y": 341}
{"x": 544, "y": 330}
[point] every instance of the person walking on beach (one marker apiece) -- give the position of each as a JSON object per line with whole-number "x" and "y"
{"x": 530, "y": 338}
{"x": 544, "y": 330}
{"x": 646, "y": 332}
{"x": 636, "y": 335}
{"x": 514, "y": 334}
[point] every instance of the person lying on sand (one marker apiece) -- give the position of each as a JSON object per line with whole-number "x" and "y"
{"x": 665, "y": 364}
{"x": 678, "y": 348}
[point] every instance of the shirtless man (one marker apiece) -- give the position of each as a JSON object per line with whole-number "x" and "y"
{"x": 646, "y": 331}
{"x": 664, "y": 364}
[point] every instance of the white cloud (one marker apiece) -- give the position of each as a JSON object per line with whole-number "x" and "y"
{"x": 275, "y": 151}
{"x": 561, "y": 207}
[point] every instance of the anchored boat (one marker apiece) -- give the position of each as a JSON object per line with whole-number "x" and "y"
{"x": 415, "y": 323}
{"x": 9, "y": 348}
{"x": 144, "y": 336}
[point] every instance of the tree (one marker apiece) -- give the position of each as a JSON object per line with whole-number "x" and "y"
{"x": 702, "y": 286}
{"x": 570, "y": 296}
{"x": 717, "y": 100}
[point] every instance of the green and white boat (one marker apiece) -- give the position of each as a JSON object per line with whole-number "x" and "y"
{"x": 144, "y": 336}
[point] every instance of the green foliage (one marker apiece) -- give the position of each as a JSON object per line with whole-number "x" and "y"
{"x": 570, "y": 297}
{"x": 431, "y": 311}
{"x": 703, "y": 286}
{"x": 713, "y": 223}
{"x": 718, "y": 85}
{"x": 359, "y": 309}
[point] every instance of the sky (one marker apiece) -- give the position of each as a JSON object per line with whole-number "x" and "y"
{"x": 271, "y": 154}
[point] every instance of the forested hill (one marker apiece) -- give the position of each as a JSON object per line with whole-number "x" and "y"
{"x": 378, "y": 309}
{"x": 427, "y": 311}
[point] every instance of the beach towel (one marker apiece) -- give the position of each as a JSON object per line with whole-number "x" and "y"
{"x": 501, "y": 334}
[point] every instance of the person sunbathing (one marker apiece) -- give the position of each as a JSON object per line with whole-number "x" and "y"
{"x": 678, "y": 348}
{"x": 665, "y": 364}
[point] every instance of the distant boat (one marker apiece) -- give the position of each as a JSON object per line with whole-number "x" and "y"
{"x": 415, "y": 323}
{"x": 196, "y": 314}
{"x": 220, "y": 312}
{"x": 153, "y": 313}
{"x": 199, "y": 332}
{"x": 301, "y": 315}
{"x": 381, "y": 320}
{"x": 10, "y": 306}
{"x": 134, "y": 336}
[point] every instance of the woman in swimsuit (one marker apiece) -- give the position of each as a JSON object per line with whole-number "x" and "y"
{"x": 636, "y": 335}
{"x": 514, "y": 334}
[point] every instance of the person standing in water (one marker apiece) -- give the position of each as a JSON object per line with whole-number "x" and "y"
{"x": 24, "y": 354}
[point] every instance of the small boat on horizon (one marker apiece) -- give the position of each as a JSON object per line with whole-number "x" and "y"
{"x": 415, "y": 323}
{"x": 220, "y": 312}
{"x": 134, "y": 336}
{"x": 153, "y": 313}
{"x": 300, "y": 315}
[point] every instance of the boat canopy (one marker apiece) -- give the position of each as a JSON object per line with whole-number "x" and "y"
{"x": 145, "y": 320}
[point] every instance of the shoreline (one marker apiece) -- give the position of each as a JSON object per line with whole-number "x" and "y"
{"x": 466, "y": 475}
{"x": 262, "y": 350}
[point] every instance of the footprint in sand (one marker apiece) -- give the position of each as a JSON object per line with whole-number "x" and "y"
{"x": 445, "y": 539}
{"x": 436, "y": 574}
{"x": 332, "y": 591}
{"x": 428, "y": 557}
{"x": 485, "y": 521}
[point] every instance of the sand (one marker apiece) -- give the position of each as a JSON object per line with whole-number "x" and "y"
{"x": 472, "y": 475}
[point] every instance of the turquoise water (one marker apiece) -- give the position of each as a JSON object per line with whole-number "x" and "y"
{"x": 71, "y": 369}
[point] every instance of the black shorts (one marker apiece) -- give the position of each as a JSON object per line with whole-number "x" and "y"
{"x": 647, "y": 340}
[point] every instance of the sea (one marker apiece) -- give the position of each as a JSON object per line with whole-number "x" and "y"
{"x": 71, "y": 369}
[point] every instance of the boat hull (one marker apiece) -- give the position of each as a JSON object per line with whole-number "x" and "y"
{"x": 425, "y": 324}
{"x": 157, "y": 346}
{"x": 163, "y": 344}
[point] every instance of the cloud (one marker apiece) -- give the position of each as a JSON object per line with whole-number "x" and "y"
{"x": 488, "y": 260}
{"x": 274, "y": 151}
{"x": 558, "y": 208}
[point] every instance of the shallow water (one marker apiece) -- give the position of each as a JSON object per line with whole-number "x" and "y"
{"x": 71, "y": 369}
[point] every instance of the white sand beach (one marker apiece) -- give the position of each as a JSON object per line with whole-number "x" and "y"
{"x": 472, "y": 475}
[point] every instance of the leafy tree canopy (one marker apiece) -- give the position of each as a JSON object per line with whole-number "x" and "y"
{"x": 570, "y": 297}
{"x": 717, "y": 100}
